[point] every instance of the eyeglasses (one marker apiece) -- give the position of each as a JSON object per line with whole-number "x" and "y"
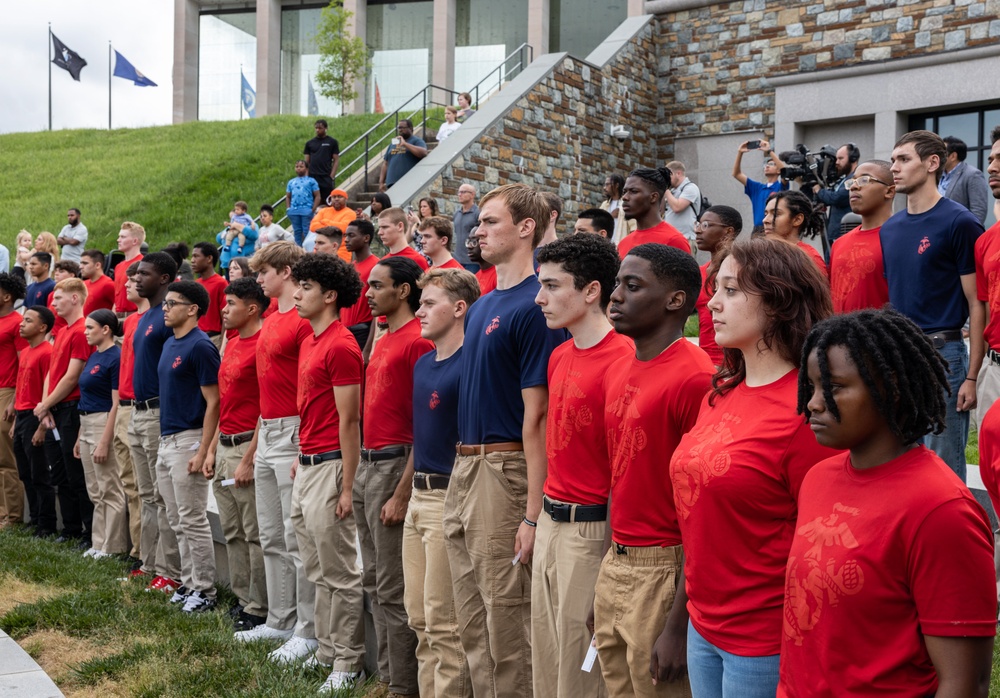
{"x": 170, "y": 303}
{"x": 703, "y": 224}
{"x": 862, "y": 181}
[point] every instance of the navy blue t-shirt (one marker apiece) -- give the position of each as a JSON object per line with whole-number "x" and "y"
{"x": 147, "y": 343}
{"x": 99, "y": 378}
{"x": 435, "y": 412}
{"x": 399, "y": 160}
{"x": 507, "y": 347}
{"x": 925, "y": 255}
{"x": 38, "y": 293}
{"x": 185, "y": 365}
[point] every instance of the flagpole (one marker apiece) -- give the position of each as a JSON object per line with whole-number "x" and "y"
{"x": 109, "y": 84}
{"x": 48, "y": 52}
{"x": 241, "y": 92}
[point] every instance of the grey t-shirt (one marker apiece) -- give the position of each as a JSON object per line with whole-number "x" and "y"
{"x": 684, "y": 221}
{"x": 464, "y": 222}
{"x": 77, "y": 232}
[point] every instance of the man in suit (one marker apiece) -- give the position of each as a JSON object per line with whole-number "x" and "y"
{"x": 962, "y": 182}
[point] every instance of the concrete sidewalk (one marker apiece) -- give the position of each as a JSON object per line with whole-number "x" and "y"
{"x": 20, "y": 676}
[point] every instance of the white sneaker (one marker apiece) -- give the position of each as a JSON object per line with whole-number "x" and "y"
{"x": 91, "y": 552}
{"x": 294, "y": 650}
{"x": 100, "y": 555}
{"x": 313, "y": 663}
{"x": 342, "y": 679}
{"x": 262, "y": 632}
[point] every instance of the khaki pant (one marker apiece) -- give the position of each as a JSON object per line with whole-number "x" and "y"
{"x": 158, "y": 545}
{"x": 430, "y": 602}
{"x": 987, "y": 388}
{"x": 104, "y": 487}
{"x": 382, "y": 573}
{"x": 483, "y": 510}
{"x": 634, "y": 594}
{"x": 291, "y": 597}
{"x": 11, "y": 489}
{"x": 126, "y": 473}
{"x": 329, "y": 553}
{"x": 565, "y": 567}
{"x": 238, "y": 516}
{"x": 186, "y": 498}
{"x": 217, "y": 340}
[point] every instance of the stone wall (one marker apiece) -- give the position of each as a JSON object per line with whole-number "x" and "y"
{"x": 715, "y": 60}
{"x": 557, "y": 136}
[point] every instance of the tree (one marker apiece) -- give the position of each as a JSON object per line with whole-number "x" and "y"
{"x": 343, "y": 58}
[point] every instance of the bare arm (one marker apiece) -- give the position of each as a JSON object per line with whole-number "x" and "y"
{"x": 381, "y": 175}
{"x": 778, "y": 162}
{"x": 315, "y": 200}
{"x": 963, "y": 665}
{"x": 738, "y": 165}
{"x": 348, "y": 401}
{"x": 536, "y": 402}
{"x": 209, "y": 424}
{"x": 63, "y": 388}
{"x": 336, "y": 166}
{"x": 676, "y": 204}
{"x": 415, "y": 150}
{"x": 669, "y": 657}
{"x": 394, "y": 510}
{"x": 977, "y": 343}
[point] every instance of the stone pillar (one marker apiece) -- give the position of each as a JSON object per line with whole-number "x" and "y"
{"x": 268, "y": 57}
{"x": 358, "y": 26}
{"x": 443, "y": 51}
{"x": 185, "y": 74}
{"x": 538, "y": 26}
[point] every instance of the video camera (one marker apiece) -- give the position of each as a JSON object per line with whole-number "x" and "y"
{"x": 813, "y": 168}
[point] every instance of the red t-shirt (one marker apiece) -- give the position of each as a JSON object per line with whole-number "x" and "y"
{"x": 122, "y": 303}
{"x": 10, "y": 344}
{"x": 34, "y": 366}
{"x": 576, "y": 441}
{"x": 881, "y": 558}
{"x": 278, "y": 362}
{"x": 60, "y": 323}
{"x": 211, "y": 321}
{"x": 411, "y": 253}
{"x": 239, "y": 391}
{"x": 650, "y": 405}
{"x": 487, "y": 279}
{"x": 271, "y": 308}
{"x": 450, "y": 264}
{"x": 662, "y": 233}
{"x": 329, "y": 360}
{"x": 360, "y": 311}
{"x": 814, "y": 256}
{"x": 857, "y": 275}
{"x": 388, "y": 411}
{"x": 100, "y": 294}
{"x": 706, "y": 330}
{"x": 989, "y": 453}
{"x": 70, "y": 344}
{"x": 736, "y": 475}
{"x": 988, "y": 281}
{"x": 127, "y": 361}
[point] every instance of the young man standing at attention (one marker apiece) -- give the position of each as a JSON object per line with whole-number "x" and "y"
{"x": 392, "y": 232}
{"x": 644, "y": 190}
{"x": 11, "y": 345}
{"x": 204, "y": 257}
{"x": 130, "y": 239}
{"x": 100, "y": 288}
{"x": 127, "y": 472}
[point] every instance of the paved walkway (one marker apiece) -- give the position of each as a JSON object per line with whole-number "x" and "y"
{"x": 20, "y": 677}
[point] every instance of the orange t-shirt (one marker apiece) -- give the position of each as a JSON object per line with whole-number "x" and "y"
{"x": 662, "y": 233}
{"x": 341, "y": 219}
{"x": 857, "y": 275}
{"x": 278, "y": 362}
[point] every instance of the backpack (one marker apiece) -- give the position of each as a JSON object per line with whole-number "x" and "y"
{"x": 703, "y": 204}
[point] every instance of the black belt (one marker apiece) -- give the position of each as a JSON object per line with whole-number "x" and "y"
{"x": 84, "y": 413}
{"x": 150, "y": 404}
{"x": 993, "y": 356}
{"x": 126, "y": 403}
{"x": 71, "y": 404}
{"x": 319, "y": 457}
{"x": 939, "y": 339}
{"x": 23, "y": 413}
{"x": 383, "y": 453}
{"x": 430, "y": 481}
{"x": 235, "y": 439}
{"x": 574, "y": 512}
{"x": 213, "y": 334}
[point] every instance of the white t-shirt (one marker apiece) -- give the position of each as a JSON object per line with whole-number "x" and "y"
{"x": 77, "y": 232}
{"x": 684, "y": 221}
{"x": 446, "y": 130}
{"x": 273, "y": 233}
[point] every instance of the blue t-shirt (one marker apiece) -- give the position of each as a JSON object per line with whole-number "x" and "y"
{"x": 435, "y": 412}
{"x": 507, "y": 347}
{"x": 99, "y": 378}
{"x": 147, "y": 343}
{"x": 38, "y": 293}
{"x": 924, "y": 256}
{"x": 301, "y": 189}
{"x": 185, "y": 365}
{"x": 758, "y": 193}
{"x": 399, "y": 160}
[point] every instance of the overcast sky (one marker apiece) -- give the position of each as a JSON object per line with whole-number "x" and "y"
{"x": 141, "y": 31}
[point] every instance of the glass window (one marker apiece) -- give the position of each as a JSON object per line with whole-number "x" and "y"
{"x": 962, "y": 126}
{"x": 486, "y": 32}
{"x": 400, "y": 36}
{"x": 991, "y": 119}
{"x": 299, "y": 63}
{"x": 227, "y": 42}
{"x": 579, "y": 26}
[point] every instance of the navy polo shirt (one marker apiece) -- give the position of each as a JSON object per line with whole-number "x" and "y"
{"x": 185, "y": 365}
{"x": 435, "y": 412}
{"x": 99, "y": 378}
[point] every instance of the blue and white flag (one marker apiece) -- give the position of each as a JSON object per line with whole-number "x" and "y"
{"x": 249, "y": 97}
{"x": 124, "y": 69}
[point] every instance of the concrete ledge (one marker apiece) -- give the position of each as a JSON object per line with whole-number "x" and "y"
{"x": 20, "y": 676}
{"x": 660, "y": 7}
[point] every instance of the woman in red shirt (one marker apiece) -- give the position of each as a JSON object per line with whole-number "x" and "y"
{"x": 789, "y": 215}
{"x": 736, "y": 474}
{"x": 890, "y": 587}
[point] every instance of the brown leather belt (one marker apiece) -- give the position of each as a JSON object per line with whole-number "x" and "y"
{"x": 483, "y": 449}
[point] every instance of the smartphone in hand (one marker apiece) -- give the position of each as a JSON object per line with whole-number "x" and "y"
{"x": 753, "y": 145}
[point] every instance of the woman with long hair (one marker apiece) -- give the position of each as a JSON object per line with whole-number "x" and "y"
{"x": 790, "y": 216}
{"x": 425, "y": 209}
{"x": 736, "y": 474}
{"x": 46, "y": 242}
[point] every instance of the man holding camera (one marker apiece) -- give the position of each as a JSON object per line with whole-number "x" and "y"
{"x": 756, "y": 191}
{"x": 837, "y": 199}
{"x": 681, "y": 201}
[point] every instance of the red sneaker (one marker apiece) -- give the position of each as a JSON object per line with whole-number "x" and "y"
{"x": 156, "y": 584}
{"x": 169, "y": 586}
{"x": 137, "y": 573}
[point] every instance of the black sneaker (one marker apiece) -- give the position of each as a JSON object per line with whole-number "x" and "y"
{"x": 235, "y": 611}
{"x": 197, "y": 602}
{"x": 181, "y": 595}
{"x": 247, "y": 621}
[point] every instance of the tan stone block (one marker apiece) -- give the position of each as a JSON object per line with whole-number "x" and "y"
{"x": 789, "y": 16}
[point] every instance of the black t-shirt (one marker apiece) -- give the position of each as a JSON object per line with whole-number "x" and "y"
{"x": 321, "y": 152}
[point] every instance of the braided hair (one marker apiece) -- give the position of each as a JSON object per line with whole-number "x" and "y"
{"x": 813, "y": 221}
{"x": 904, "y": 373}
{"x": 658, "y": 177}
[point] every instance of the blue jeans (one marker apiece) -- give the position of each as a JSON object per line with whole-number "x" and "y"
{"x": 715, "y": 673}
{"x": 300, "y": 224}
{"x": 950, "y": 444}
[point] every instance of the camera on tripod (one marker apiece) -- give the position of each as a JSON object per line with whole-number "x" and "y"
{"x": 812, "y": 168}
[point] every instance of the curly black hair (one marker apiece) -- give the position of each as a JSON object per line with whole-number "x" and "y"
{"x": 14, "y": 285}
{"x": 586, "y": 258}
{"x": 728, "y": 215}
{"x": 906, "y": 376}
{"x": 249, "y": 291}
{"x": 677, "y": 268}
{"x": 332, "y": 274}
{"x": 193, "y": 292}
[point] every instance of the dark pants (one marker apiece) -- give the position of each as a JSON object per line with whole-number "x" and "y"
{"x": 325, "y": 186}
{"x": 360, "y": 332}
{"x": 33, "y": 469}
{"x": 67, "y": 472}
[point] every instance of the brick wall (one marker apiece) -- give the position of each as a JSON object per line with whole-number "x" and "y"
{"x": 715, "y": 61}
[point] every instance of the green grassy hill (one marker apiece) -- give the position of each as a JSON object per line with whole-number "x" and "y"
{"x": 179, "y": 181}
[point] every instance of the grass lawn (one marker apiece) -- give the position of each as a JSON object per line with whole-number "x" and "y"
{"x": 178, "y": 181}
{"x": 99, "y": 637}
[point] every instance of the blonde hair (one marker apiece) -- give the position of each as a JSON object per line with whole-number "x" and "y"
{"x": 20, "y": 236}
{"x": 73, "y": 286}
{"x": 523, "y": 203}
{"x": 276, "y": 255}
{"x": 394, "y": 215}
{"x": 135, "y": 230}
{"x": 675, "y": 166}
{"x": 459, "y": 284}
{"x": 49, "y": 244}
